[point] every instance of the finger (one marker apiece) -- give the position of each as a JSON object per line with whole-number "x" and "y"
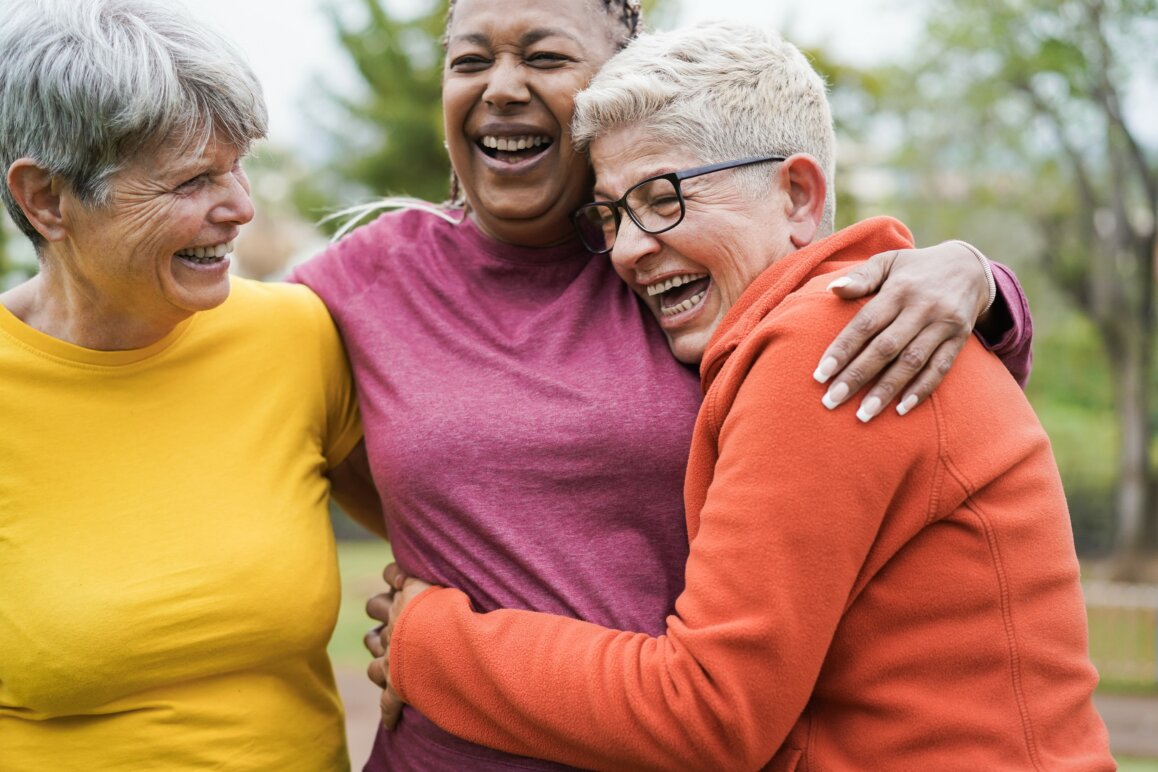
{"x": 875, "y": 316}
{"x": 394, "y": 576}
{"x": 877, "y": 354}
{"x": 391, "y": 705}
{"x": 373, "y": 641}
{"x": 866, "y": 278}
{"x": 931, "y": 375}
{"x": 377, "y": 671}
{"x": 898, "y": 375}
{"x": 378, "y": 607}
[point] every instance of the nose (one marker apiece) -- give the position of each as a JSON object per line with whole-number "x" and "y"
{"x": 507, "y": 84}
{"x": 235, "y": 206}
{"x": 632, "y": 246}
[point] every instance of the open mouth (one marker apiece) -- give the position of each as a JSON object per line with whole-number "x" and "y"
{"x": 512, "y": 150}
{"x": 678, "y": 294}
{"x": 206, "y": 255}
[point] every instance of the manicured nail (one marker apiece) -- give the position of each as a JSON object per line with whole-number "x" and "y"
{"x": 907, "y": 404}
{"x": 825, "y": 370}
{"x": 835, "y": 396}
{"x": 843, "y": 281}
{"x": 868, "y": 409}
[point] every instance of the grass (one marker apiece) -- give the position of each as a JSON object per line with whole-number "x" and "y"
{"x": 1122, "y": 644}
{"x": 361, "y": 564}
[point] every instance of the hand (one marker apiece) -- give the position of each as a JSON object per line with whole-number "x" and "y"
{"x": 378, "y": 608}
{"x": 917, "y": 324}
{"x": 388, "y": 607}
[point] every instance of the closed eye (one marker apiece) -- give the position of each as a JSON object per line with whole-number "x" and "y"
{"x": 548, "y": 59}
{"x": 194, "y": 182}
{"x": 469, "y": 63}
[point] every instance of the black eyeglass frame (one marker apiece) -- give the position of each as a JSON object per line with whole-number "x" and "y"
{"x": 675, "y": 178}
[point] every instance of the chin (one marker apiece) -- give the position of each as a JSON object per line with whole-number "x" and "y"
{"x": 688, "y": 352}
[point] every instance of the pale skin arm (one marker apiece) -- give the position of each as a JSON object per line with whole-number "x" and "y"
{"x": 909, "y": 334}
{"x": 352, "y": 486}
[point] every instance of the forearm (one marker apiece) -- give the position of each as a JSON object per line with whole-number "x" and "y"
{"x": 352, "y": 486}
{"x": 569, "y": 691}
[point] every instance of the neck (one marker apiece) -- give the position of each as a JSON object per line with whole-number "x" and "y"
{"x": 536, "y": 232}
{"x": 73, "y": 312}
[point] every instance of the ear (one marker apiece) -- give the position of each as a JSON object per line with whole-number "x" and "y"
{"x": 805, "y": 188}
{"x": 37, "y": 193}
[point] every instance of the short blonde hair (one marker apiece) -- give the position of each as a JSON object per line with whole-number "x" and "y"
{"x": 722, "y": 90}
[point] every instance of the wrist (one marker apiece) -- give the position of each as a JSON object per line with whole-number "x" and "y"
{"x": 986, "y": 268}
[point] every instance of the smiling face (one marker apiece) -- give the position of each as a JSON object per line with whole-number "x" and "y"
{"x": 512, "y": 71}
{"x": 158, "y": 251}
{"x": 693, "y": 274}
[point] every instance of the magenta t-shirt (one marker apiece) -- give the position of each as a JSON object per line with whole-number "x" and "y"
{"x": 528, "y": 431}
{"x": 527, "y": 427}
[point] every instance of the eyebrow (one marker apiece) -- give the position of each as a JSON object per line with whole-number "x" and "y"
{"x": 529, "y": 38}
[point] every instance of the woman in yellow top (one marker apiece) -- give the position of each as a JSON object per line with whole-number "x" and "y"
{"x": 169, "y": 436}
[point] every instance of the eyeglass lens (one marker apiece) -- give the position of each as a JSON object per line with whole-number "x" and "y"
{"x": 654, "y": 205}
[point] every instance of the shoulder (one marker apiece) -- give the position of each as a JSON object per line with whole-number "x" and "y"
{"x": 345, "y": 268}
{"x": 247, "y": 296}
{"x": 272, "y": 310}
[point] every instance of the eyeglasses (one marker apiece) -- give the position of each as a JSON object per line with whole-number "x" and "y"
{"x": 655, "y": 205}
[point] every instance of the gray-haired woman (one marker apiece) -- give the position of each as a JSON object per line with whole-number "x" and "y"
{"x": 169, "y": 435}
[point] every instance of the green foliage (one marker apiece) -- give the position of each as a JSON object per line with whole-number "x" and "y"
{"x": 1012, "y": 129}
{"x": 5, "y": 264}
{"x": 390, "y": 139}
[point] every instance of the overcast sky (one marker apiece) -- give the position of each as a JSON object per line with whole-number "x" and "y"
{"x": 302, "y": 48}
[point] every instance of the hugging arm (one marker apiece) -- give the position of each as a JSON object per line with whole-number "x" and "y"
{"x": 726, "y": 683}
{"x": 352, "y": 486}
{"x": 928, "y": 302}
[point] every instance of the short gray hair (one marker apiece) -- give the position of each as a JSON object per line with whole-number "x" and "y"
{"x": 88, "y": 86}
{"x": 722, "y": 90}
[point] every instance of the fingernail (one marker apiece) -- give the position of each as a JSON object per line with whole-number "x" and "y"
{"x": 843, "y": 281}
{"x": 907, "y": 404}
{"x": 825, "y": 370}
{"x": 835, "y": 396}
{"x": 869, "y": 408}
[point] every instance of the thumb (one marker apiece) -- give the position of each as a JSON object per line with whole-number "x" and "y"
{"x": 865, "y": 279}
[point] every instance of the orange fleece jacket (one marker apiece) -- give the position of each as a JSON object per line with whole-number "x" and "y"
{"x": 901, "y": 594}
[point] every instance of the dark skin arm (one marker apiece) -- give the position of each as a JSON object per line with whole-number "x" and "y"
{"x": 352, "y": 486}
{"x": 911, "y": 331}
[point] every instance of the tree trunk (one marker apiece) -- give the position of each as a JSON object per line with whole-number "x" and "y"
{"x": 1131, "y": 381}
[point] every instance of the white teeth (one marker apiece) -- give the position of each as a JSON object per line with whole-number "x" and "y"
{"x": 514, "y": 143}
{"x": 675, "y": 281}
{"x": 688, "y": 304}
{"x": 206, "y": 254}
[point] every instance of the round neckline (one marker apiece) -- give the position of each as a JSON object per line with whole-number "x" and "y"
{"x": 61, "y": 350}
{"x": 568, "y": 250}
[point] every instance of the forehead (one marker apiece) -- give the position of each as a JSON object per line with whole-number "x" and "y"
{"x": 518, "y": 21}
{"x": 185, "y": 156}
{"x": 624, "y": 156}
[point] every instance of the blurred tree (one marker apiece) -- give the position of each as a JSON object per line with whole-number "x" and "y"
{"x": 390, "y": 138}
{"x": 5, "y": 266}
{"x": 1026, "y": 105}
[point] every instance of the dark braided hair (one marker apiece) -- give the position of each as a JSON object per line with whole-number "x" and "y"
{"x": 629, "y": 15}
